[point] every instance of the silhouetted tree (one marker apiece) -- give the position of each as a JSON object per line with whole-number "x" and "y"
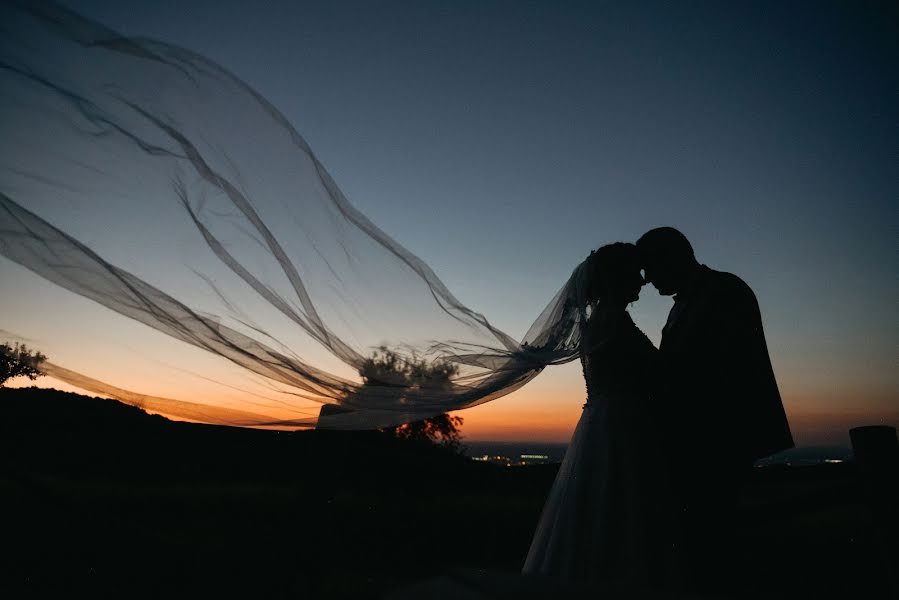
{"x": 19, "y": 361}
{"x": 386, "y": 367}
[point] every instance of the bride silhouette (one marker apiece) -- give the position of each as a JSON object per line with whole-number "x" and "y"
{"x": 596, "y": 524}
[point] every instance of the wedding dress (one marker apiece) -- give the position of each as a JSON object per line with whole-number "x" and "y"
{"x": 597, "y": 520}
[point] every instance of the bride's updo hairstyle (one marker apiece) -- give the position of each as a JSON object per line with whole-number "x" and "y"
{"x": 609, "y": 267}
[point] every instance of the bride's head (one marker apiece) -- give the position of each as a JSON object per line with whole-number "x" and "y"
{"x": 613, "y": 274}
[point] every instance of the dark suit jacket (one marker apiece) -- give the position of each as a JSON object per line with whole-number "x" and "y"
{"x": 716, "y": 383}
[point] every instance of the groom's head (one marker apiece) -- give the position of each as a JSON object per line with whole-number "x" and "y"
{"x": 667, "y": 258}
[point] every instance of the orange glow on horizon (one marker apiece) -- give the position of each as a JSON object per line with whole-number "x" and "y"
{"x": 548, "y": 409}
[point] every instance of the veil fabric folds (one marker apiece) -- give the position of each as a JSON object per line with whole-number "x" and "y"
{"x": 149, "y": 180}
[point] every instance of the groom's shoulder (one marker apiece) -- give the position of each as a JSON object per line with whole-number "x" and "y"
{"x": 729, "y": 285}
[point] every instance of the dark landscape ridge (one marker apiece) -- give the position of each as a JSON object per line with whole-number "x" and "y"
{"x": 103, "y": 498}
{"x": 56, "y": 407}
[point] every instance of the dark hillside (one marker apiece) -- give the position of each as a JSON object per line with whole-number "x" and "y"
{"x": 95, "y": 491}
{"x": 101, "y": 498}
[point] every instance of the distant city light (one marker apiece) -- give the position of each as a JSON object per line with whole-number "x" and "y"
{"x": 523, "y": 460}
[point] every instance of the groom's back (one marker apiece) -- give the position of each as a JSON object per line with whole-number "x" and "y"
{"x": 717, "y": 379}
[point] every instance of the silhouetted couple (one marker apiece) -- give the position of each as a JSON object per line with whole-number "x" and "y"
{"x": 646, "y": 494}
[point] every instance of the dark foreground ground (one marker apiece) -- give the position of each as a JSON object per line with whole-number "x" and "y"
{"x": 100, "y": 499}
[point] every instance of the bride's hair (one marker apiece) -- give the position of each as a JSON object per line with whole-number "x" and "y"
{"x": 607, "y": 266}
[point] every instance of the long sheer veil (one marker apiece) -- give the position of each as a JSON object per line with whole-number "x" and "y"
{"x": 150, "y": 180}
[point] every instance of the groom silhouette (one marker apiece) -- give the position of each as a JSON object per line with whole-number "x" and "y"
{"x": 717, "y": 402}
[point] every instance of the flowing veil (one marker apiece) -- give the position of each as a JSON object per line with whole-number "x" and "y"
{"x": 153, "y": 182}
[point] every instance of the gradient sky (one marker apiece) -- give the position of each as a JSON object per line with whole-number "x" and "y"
{"x": 502, "y": 141}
